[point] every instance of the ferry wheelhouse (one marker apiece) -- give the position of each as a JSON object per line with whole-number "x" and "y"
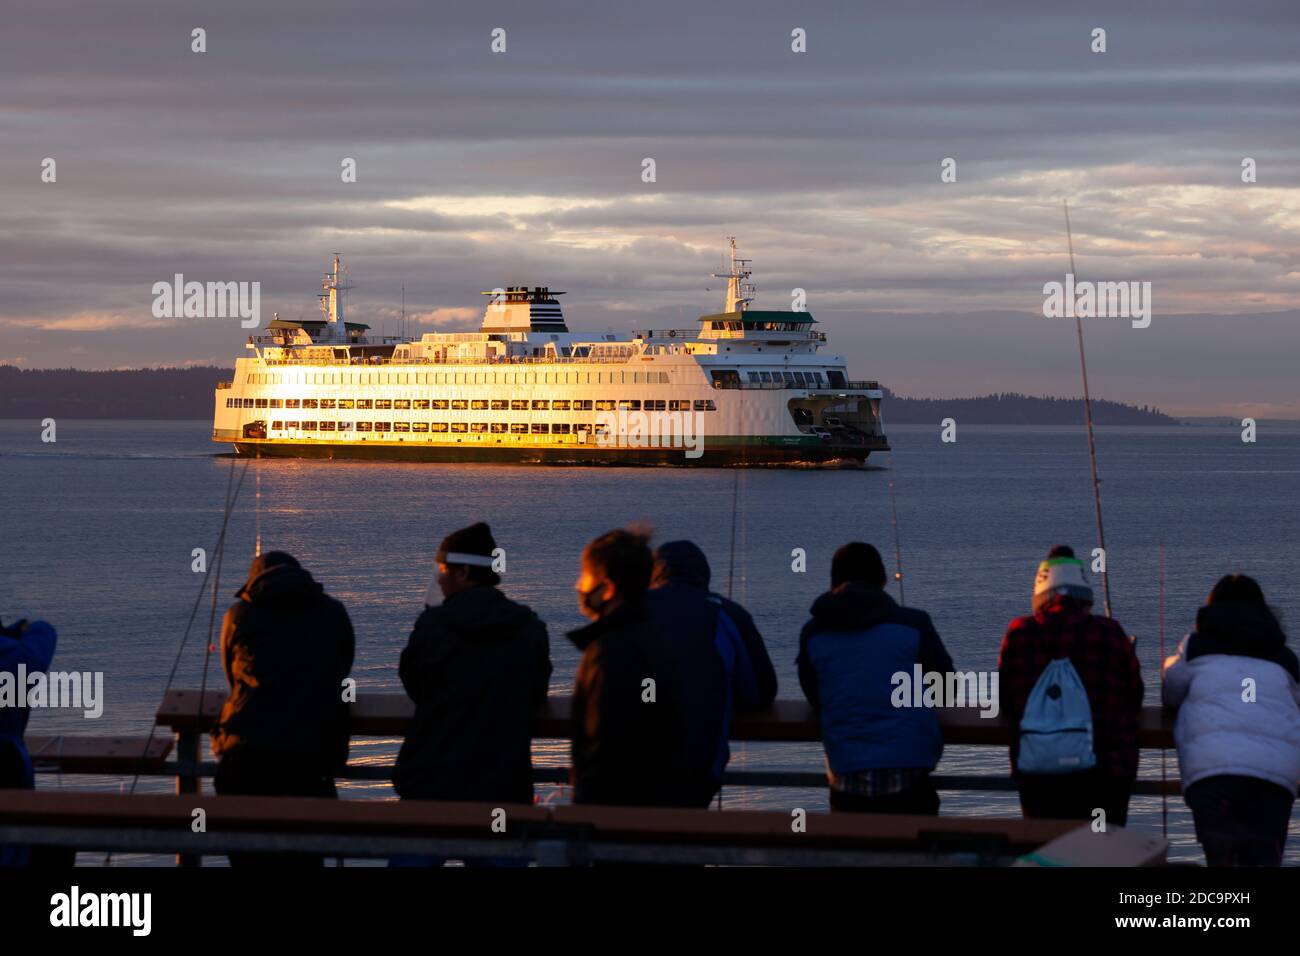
{"x": 746, "y": 387}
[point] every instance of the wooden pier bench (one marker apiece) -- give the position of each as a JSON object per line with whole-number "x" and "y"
{"x": 99, "y": 755}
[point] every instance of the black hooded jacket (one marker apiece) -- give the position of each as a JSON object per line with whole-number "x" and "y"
{"x": 477, "y": 667}
{"x": 683, "y": 564}
{"x": 286, "y": 647}
{"x": 1243, "y": 629}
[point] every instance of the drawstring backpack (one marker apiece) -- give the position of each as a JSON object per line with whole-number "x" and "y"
{"x": 1056, "y": 729}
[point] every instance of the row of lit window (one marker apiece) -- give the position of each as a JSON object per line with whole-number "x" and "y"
{"x": 482, "y": 404}
{"x": 460, "y": 378}
{"x": 789, "y": 378}
{"x": 454, "y": 428}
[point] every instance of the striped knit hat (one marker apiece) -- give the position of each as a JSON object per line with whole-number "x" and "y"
{"x": 1060, "y": 575}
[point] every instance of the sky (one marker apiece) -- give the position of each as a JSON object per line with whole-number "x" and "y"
{"x": 477, "y": 169}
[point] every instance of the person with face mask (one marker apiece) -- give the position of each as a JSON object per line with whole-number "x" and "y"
{"x": 652, "y": 693}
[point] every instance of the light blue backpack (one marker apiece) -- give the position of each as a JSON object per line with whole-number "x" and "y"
{"x": 1056, "y": 729}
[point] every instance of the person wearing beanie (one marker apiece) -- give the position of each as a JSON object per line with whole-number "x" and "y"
{"x": 879, "y": 755}
{"x": 286, "y": 648}
{"x": 1062, "y": 625}
{"x": 1236, "y": 687}
{"x": 477, "y": 666}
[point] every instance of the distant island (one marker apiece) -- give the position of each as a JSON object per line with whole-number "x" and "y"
{"x": 186, "y": 393}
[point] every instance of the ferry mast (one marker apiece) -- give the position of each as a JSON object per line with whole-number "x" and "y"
{"x": 331, "y": 304}
{"x": 740, "y": 291}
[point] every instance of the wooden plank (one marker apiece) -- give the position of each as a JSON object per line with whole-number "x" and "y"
{"x": 385, "y": 714}
{"x": 108, "y": 755}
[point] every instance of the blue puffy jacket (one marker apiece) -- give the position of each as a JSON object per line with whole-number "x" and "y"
{"x": 32, "y": 648}
{"x": 857, "y": 640}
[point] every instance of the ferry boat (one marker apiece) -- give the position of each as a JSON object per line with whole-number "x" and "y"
{"x": 746, "y": 387}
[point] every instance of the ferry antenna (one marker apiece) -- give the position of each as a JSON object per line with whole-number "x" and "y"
{"x": 1087, "y": 414}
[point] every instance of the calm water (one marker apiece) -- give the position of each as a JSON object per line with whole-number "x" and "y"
{"x": 99, "y": 527}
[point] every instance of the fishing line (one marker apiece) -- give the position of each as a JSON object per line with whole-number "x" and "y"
{"x": 898, "y": 547}
{"x": 1087, "y": 413}
{"x": 1164, "y": 785}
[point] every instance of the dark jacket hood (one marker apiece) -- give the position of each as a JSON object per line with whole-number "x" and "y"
{"x": 681, "y": 562}
{"x": 483, "y": 613}
{"x": 854, "y": 605}
{"x": 277, "y": 578}
{"x": 1244, "y": 629}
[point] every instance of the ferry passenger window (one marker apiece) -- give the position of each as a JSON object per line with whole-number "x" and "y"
{"x": 518, "y": 404}
{"x": 459, "y": 427}
{"x": 459, "y": 403}
{"x": 479, "y": 403}
{"x": 277, "y": 426}
{"x": 291, "y": 426}
{"x": 363, "y": 403}
{"x": 346, "y": 403}
{"x": 498, "y": 428}
{"x": 540, "y": 403}
{"x": 500, "y": 404}
{"x": 401, "y": 427}
{"x": 420, "y": 403}
{"x": 560, "y": 405}
{"x": 541, "y": 428}
{"x": 679, "y": 405}
{"x": 582, "y": 405}
{"x": 345, "y": 426}
{"x": 789, "y": 377}
{"x": 478, "y": 428}
{"x": 309, "y": 426}
{"x": 309, "y": 403}
{"x": 402, "y": 403}
{"x": 752, "y": 376}
{"x": 560, "y": 429}
{"x": 518, "y": 428}
{"x": 630, "y": 404}
{"x": 798, "y": 377}
{"x": 275, "y": 403}
{"x": 419, "y": 426}
{"x": 363, "y": 426}
{"x": 327, "y": 426}
{"x": 705, "y": 405}
{"x": 383, "y": 426}
{"x": 383, "y": 403}
{"x": 437, "y": 426}
{"x": 327, "y": 403}
{"x": 604, "y": 405}
{"x": 439, "y": 403}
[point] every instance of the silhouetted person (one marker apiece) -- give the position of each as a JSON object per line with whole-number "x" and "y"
{"x": 652, "y": 695}
{"x": 286, "y": 647}
{"x": 1234, "y": 683}
{"x": 28, "y": 645}
{"x": 879, "y": 756}
{"x": 477, "y": 667}
{"x": 1063, "y": 627}
{"x": 681, "y": 564}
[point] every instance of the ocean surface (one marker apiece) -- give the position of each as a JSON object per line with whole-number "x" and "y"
{"x": 99, "y": 527}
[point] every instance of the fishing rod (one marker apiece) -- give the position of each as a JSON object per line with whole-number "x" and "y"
{"x": 1164, "y": 792}
{"x": 1087, "y": 414}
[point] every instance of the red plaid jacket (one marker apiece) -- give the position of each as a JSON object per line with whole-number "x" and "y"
{"x": 1107, "y": 664}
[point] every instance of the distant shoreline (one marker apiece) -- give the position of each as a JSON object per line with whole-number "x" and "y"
{"x": 186, "y": 394}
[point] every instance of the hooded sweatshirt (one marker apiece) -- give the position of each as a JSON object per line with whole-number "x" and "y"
{"x": 286, "y": 647}
{"x": 857, "y": 640}
{"x": 1234, "y": 683}
{"x": 477, "y": 667}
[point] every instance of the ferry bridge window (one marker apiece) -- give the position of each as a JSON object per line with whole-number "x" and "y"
{"x": 478, "y": 427}
{"x": 363, "y": 403}
{"x": 479, "y": 404}
{"x": 765, "y": 376}
{"x": 752, "y": 376}
{"x": 518, "y": 404}
{"x": 679, "y": 405}
{"x": 401, "y": 426}
{"x": 518, "y": 428}
{"x": 498, "y": 428}
{"x": 437, "y": 426}
{"x": 560, "y": 405}
{"x": 459, "y": 403}
{"x": 500, "y": 404}
{"x": 725, "y": 377}
{"x": 383, "y": 403}
{"x": 582, "y": 405}
{"x": 789, "y": 377}
{"x": 419, "y": 426}
{"x": 541, "y": 428}
{"x": 459, "y": 427}
{"x": 540, "y": 403}
{"x": 835, "y": 377}
{"x": 705, "y": 405}
{"x": 439, "y": 403}
{"x": 327, "y": 403}
{"x": 798, "y": 377}
{"x": 346, "y": 403}
{"x": 402, "y": 403}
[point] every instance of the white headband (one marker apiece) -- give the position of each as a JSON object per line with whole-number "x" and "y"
{"x": 458, "y": 557}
